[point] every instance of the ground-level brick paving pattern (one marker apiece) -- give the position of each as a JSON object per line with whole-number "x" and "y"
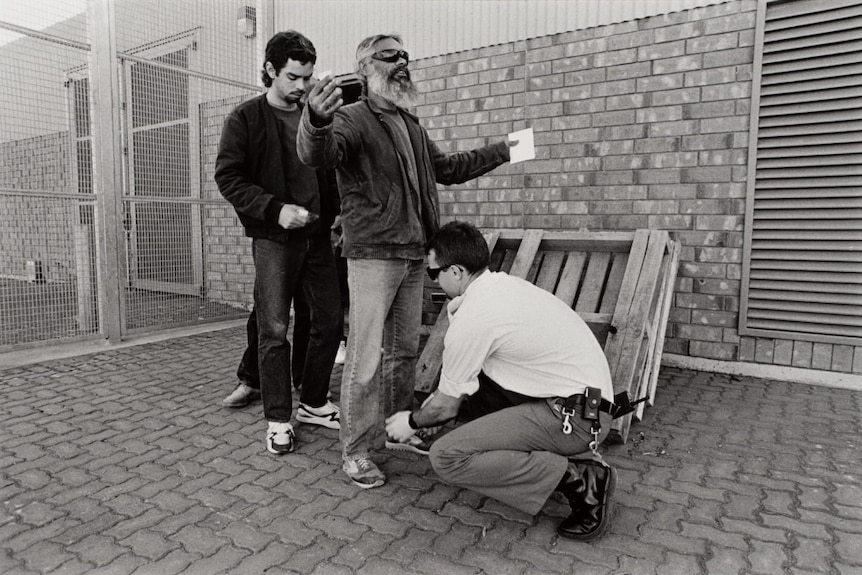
{"x": 124, "y": 461}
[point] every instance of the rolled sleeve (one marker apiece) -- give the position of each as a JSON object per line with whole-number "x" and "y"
{"x": 466, "y": 346}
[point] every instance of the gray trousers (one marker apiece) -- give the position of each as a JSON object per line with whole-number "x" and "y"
{"x": 516, "y": 455}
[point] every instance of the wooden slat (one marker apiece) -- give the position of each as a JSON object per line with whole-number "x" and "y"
{"x": 613, "y": 346}
{"x": 641, "y": 366}
{"x": 626, "y": 366}
{"x": 614, "y": 284}
{"x": 667, "y": 302}
{"x": 550, "y": 272}
{"x": 591, "y": 287}
{"x": 526, "y": 253}
{"x": 508, "y": 260}
{"x": 597, "y": 318}
{"x": 571, "y": 278}
{"x": 645, "y": 288}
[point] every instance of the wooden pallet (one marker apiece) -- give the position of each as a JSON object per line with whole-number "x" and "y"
{"x": 620, "y": 283}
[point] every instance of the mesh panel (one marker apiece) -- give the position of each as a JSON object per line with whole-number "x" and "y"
{"x": 181, "y": 67}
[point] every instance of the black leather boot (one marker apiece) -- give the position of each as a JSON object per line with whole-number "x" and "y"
{"x": 588, "y": 486}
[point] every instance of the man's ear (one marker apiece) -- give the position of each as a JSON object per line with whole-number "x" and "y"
{"x": 270, "y": 70}
{"x": 362, "y": 68}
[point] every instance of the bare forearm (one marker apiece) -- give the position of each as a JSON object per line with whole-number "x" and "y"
{"x": 439, "y": 409}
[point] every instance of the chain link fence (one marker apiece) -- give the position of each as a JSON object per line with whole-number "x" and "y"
{"x": 90, "y": 250}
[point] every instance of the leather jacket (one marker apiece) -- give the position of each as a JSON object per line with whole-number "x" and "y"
{"x": 383, "y": 218}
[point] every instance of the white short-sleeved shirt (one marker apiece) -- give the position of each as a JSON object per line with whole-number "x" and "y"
{"x": 522, "y": 337}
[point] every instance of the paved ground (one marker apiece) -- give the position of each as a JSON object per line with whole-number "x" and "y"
{"x": 124, "y": 462}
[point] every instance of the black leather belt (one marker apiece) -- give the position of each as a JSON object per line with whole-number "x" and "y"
{"x": 621, "y": 405}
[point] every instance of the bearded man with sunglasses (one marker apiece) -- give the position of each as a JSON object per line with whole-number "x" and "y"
{"x": 388, "y": 170}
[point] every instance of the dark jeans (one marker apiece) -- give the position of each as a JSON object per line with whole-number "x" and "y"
{"x": 282, "y": 272}
{"x": 248, "y": 373}
{"x": 341, "y": 266}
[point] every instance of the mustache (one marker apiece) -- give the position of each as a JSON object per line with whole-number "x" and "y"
{"x": 398, "y": 69}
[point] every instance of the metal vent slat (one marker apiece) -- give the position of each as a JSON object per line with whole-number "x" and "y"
{"x": 843, "y": 88}
{"x": 808, "y": 256}
{"x": 814, "y": 117}
{"x": 813, "y": 308}
{"x": 808, "y": 276}
{"x": 805, "y": 153}
{"x": 833, "y": 66}
{"x": 777, "y": 264}
{"x": 799, "y": 183}
{"x": 848, "y": 290}
{"x": 820, "y": 192}
{"x": 788, "y": 325}
{"x": 795, "y": 296}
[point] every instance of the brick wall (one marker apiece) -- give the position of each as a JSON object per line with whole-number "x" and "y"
{"x": 642, "y": 124}
{"x": 37, "y": 229}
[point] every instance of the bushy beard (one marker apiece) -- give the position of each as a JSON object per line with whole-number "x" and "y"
{"x": 399, "y": 90}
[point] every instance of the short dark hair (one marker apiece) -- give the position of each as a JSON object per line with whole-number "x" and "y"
{"x": 462, "y": 244}
{"x": 284, "y": 46}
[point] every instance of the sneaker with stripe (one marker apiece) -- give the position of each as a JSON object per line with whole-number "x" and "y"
{"x": 327, "y": 415}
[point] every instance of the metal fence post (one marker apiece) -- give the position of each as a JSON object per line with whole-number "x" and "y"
{"x": 107, "y": 157}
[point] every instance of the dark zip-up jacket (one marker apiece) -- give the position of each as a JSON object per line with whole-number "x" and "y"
{"x": 382, "y": 217}
{"x": 250, "y": 175}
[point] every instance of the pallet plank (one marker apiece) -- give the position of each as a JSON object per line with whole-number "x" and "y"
{"x": 526, "y": 253}
{"x": 591, "y": 287}
{"x": 667, "y": 288}
{"x": 614, "y": 284}
{"x": 626, "y": 367}
{"x": 551, "y": 266}
{"x": 570, "y": 281}
{"x": 613, "y": 345}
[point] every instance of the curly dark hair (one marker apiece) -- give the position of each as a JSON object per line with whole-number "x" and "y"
{"x": 289, "y": 44}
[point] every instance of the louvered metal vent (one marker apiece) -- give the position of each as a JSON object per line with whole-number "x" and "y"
{"x": 802, "y": 276}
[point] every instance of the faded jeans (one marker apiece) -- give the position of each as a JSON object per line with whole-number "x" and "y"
{"x": 385, "y": 312}
{"x": 281, "y": 271}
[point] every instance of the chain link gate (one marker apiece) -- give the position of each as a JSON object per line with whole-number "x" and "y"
{"x": 110, "y": 221}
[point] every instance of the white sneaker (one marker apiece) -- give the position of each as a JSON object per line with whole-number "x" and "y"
{"x": 328, "y": 415}
{"x": 280, "y": 437}
{"x": 341, "y": 356}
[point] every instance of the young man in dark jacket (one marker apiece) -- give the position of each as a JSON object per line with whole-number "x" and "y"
{"x": 387, "y": 169}
{"x": 279, "y": 200}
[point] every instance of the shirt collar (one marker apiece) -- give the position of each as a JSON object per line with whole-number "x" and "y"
{"x": 456, "y": 302}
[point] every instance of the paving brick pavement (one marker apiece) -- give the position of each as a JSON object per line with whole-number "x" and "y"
{"x": 124, "y": 461}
